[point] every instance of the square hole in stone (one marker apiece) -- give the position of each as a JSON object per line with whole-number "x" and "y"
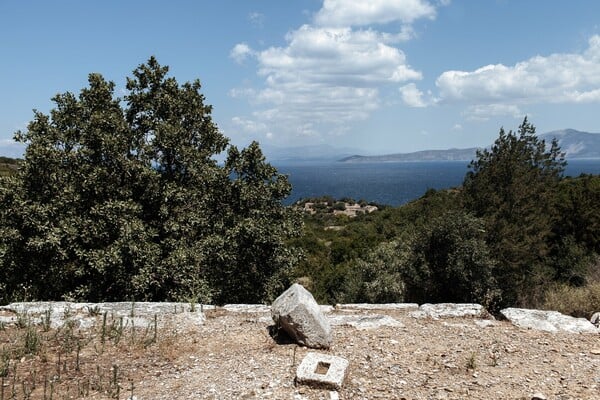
{"x": 322, "y": 368}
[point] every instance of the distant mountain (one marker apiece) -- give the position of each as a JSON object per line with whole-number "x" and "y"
{"x": 312, "y": 153}
{"x": 576, "y": 144}
{"x": 425, "y": 155}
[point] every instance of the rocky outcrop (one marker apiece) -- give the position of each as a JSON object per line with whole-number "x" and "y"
{"x": 299, "y": 315}
{"x": 549, "y": 321}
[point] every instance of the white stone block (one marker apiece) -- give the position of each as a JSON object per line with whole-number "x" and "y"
{"x": 322, "y": 371}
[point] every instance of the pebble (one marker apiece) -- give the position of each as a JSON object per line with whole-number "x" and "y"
{"x": 538, "y": 396}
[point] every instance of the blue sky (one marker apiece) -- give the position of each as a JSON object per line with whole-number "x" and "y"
{"x": 382, "y": 75}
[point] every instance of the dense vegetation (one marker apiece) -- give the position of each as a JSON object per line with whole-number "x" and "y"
{"x": 122, "y": 199}
{"x": 516, "y": 233}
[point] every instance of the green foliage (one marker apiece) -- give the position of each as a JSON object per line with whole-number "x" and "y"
{"x": 514, "y": 229}
{"x": 512, "y": 186}
{"x": 450, "y": 261}
{"x": 353, "y": 259}
{"x": 376, "y": 278}
{"x": 579, "y": 215}
{"x": 122, "y": 199}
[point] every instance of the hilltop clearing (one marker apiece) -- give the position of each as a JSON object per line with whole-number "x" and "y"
{"x": 227, "y": 353}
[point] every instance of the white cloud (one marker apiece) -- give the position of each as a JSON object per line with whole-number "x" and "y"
{"x": 558, "y": 78}
{"x": 257, "y": 19}
{"x": 412, "y": 96}
{"x": 330, "y": 73}
{"x": 336, "y": 57}
{"x": 241, "y": 52}
{"x": 330, "y": 76}
{"x": 485, "y": 112}
{"x": 248, "y": 125}
{"x": 500, "y": 90}
{"x": 342, "y": 13}
{"x": 239, "y": 93}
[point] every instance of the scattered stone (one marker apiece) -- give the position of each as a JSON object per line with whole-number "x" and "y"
{"x": 451, "y": 310}
{"x": 322, "y": 371}
{"x": 298, "y": 314}
{"x": 387, "y": 306}
{"x": 548, "y": 321}
{"x": 595, "y": 352}
{"x": 596, "y": 319}
{"x": 484, "y": 323}
{"x": 372, "y": 321}
{"x": 85, "y": 315}
{"x": 538, "y": 396}
{"x": 247, "y": 308}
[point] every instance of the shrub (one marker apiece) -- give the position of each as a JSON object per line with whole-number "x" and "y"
{"x": 376, "y": 278}
{"x": 576, "y": 301}
{"x": 450, "y": 262}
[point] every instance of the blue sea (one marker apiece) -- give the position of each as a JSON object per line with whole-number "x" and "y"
{"x": 387, "y": 183}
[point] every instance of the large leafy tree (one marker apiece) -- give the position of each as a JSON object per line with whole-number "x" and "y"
{"x": 123, "y": 199}
{"x": 449, "y": 261}
{"x": 512, "y": 186}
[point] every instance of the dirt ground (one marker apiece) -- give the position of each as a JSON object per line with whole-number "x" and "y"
{"x": 232, "y": 356}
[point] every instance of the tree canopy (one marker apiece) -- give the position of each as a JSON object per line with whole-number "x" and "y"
{"x": 512, "y": 187}
{"x": 122, "y": 198}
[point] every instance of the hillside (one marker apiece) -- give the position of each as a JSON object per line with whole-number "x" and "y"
{"x": 576, "y": 144}
{"x": 8, "y": 166}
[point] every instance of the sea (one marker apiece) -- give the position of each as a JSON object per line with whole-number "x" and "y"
{"x": 393, "y": 183}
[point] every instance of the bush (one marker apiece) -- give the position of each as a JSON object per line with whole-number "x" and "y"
{"x": 450, "y": 262}
{"x": 576, "y": 301}
{"x": 376, "y": 278}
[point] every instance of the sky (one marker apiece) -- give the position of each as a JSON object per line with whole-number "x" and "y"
{"x": 382, "y": 76}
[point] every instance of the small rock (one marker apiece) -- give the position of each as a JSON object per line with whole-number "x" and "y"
{"x": 322, "y": 371}
{"x": 538, "y": 396}
{"x": 595, "y": 351}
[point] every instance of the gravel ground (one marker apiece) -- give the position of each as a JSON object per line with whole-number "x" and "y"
{"x": 231, "y": 355}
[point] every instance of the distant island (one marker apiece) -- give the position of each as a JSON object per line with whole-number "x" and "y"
{"x": 575, "y": 144}
{"x": 425, "y": 155}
